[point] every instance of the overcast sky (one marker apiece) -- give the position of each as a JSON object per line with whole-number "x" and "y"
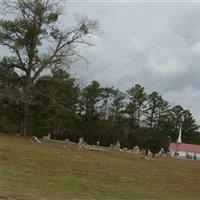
{"x": 154, "y": 44}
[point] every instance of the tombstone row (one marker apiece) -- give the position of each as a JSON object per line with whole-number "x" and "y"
{"x": 82, "y": 144}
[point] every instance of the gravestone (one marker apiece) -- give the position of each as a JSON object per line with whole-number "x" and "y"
{"x": 81, "y": 143}
{"x": 48, "y": 137}
{"x": 35, "y": 139}
{"x": 118, "y": 145}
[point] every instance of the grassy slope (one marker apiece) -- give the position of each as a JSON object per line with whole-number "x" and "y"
{"x": 50, "y": 171}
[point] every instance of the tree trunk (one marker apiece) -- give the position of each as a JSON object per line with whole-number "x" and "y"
{"x": 20, "y": 125}
{"x": 27, "y": 89}
{"x": 105, "y": 108}
{"x": 24, "y": 120}
{"x": 152, "y": 117}
{"x": 138, "y": 115}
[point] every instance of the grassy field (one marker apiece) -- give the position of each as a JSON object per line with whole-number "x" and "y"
{"x": 50, "y": 171}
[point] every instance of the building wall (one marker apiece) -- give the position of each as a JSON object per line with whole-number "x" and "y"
{"x": 183, "y": 154}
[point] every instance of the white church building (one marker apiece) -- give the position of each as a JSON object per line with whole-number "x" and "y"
{"x": 184, "y": 150}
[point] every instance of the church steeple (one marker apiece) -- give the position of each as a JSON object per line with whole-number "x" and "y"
{"x": 179, "y": 136}
{"x": 180, "y": 132}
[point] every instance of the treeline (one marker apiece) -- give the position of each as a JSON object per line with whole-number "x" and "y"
{"x": 66, "y": 110}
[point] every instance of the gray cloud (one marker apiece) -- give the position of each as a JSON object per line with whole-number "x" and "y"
{"x": 154, "y": 44}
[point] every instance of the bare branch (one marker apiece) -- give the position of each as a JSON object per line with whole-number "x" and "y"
{"x": 18, "y": 55}
{"x": 55, "y": 101}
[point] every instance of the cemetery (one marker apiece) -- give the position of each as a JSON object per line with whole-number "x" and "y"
{"x": 99, "y": 102}
{"x": 87, "y": 173}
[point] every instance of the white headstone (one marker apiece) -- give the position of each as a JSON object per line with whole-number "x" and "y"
{"x": 81, "y": 143}
{"x": 35, "y": 139}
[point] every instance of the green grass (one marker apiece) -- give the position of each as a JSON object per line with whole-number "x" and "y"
{"x": 48, "y": 171}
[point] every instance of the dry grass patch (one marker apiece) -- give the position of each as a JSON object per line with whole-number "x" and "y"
{"x": 48, "y": 171}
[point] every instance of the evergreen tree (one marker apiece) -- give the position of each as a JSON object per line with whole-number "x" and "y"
{"x": 91, "y": 95}
{"x": 107, "y": 94}
{"x": 56, "y": 105}
{"x": 137, "y": 98}
{"x": 117, "y": 106}
{"x": 152, "y": 110}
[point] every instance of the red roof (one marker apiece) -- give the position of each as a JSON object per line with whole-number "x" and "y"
{"x": 185, "y": 147}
